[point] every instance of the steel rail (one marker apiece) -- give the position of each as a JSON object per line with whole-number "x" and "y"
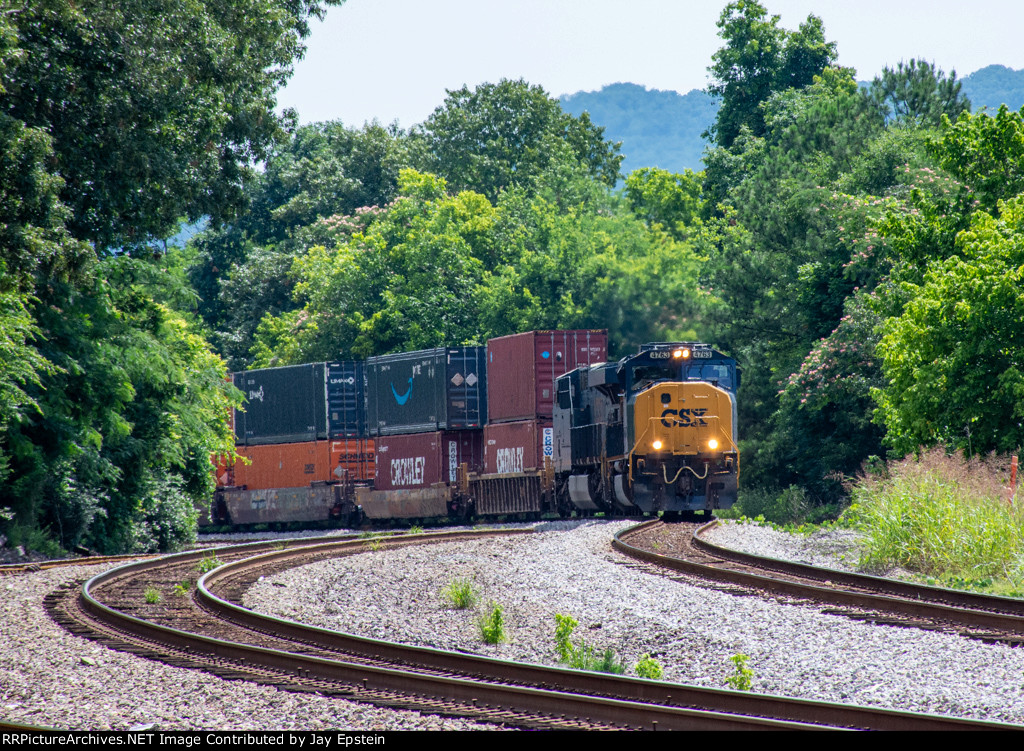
{"x": 914, "y": 604}
{"x": 251, "y": 659}
{"x": 600, "y": 684}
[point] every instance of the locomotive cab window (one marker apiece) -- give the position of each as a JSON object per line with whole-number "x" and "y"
{"x": 644, "y": 375}
{"x": 717, "y": 373}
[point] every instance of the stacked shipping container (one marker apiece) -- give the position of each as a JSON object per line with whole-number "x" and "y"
{"x": 427, "y": 391}
{"x": 312, "y": 424}
{"x": 301, "y": 425}
{"x": 522, "y": 369}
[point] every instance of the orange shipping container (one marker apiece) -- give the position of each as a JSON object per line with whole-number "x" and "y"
{"x": 297, "y": 465}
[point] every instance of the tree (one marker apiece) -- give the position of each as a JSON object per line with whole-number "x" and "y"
{"x": 155, "y": 109}
{"x": 671, "y": 202}
{"x": 503, "y": 134}
{"x": 987, "y": 153}
{"x": 954, "y": 358}
{"x": 918, "y": 93}
{"x": 757, "y": 60}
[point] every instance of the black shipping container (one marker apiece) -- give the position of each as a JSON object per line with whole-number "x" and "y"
{"x": 346, "y": 400}
{"x": 426, "y": 391}
{"x": 282, "y": 405}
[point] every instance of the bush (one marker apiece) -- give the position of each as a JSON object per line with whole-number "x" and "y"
{"x": 789, "y": 506}
{"x": 209, "y": 563}
{"x": 743, "y": 679}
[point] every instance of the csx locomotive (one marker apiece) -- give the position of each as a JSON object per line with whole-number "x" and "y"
{"x": 408, "y": 436}
{"x": 653, "y": 432}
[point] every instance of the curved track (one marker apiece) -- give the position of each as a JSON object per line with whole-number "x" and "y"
{"x": 681, "y": 548}
{"x": 210, "y": 630}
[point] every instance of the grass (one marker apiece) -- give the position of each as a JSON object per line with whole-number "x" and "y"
{"x": 152, "y": 595}
{"x": 460, "y": 594}
{"x": 946, "y": 519}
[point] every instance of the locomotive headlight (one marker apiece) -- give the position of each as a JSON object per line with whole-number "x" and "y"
{"x": 681, "y": 354}
{"x": 713, "y": 444}
{"x": 656, "y": 445}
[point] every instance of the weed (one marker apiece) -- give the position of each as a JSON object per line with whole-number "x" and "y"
{"x": 648, "y": 667}
{"x": 564, "y": 626}
{"x": 374, "y": 545}
{"x": 152, "y": 595}
{"x": 208, "y": 564}
{"x": 460, "y": 594}
{"x": 743, "y": 680}
{"x": 182, "y": 588}
{"x": 581, "y": 656}
{"x": 415, "y": 529}
{"x": 492, "y": 626}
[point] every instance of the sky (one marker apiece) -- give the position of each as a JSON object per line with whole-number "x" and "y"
{"x": 394, "y": 59}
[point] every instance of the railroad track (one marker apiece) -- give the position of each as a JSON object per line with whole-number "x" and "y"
{"x": 681, "y": 548}
{"x": 207, "y": 628}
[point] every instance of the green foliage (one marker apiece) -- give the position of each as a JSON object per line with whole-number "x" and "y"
{"x": 195, "y": 81}
{"x": 667, "y": 202}
{"x": 954, "y": 358}
{"x": 31, "y": 539}
{"x": 152, "y": 595}
{"x": 918, "y": 93}
{"x": 461, "y": 594}
{"x": 182, "y": 589}
{"x": 508, "y": 134}
{"x": 581, "y": 656}
{"x": 438, "y": 268}
{"x": 743, "y": 679}
{"x": 758, "y": 59}
{"x": 492, "y": 624}
{"x": 941, "y": 516}
{"x": 786, "y": 507}
{"x": 648, "y": 667}
{"x": 208, "y": 564}
{"x": 987, "y": 153}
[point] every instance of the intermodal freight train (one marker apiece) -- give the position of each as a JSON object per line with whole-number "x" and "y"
{"x": 532, "y": 423}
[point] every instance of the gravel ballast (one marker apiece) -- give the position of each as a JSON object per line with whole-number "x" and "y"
{"x": 51, "y": 678}
{"x": 570, "y": 568}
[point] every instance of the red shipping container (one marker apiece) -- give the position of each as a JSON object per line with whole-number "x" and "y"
{"x": 522, "y": 368}
{"x": 353, "y": 455}
{"x": 420, "y": 460}
{"x": 516, "y": 447}
{"x": 298, "y": 465}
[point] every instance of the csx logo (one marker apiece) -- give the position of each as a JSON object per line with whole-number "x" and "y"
{"x": 683, "y": 417}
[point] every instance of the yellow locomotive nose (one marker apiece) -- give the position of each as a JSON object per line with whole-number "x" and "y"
{"x": 684, "y": 418}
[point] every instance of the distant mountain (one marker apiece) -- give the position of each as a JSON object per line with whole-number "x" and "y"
{"x": 663, "y": 128}
{"x": 657, "y": 128}
{"x": 993, "y": 86}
